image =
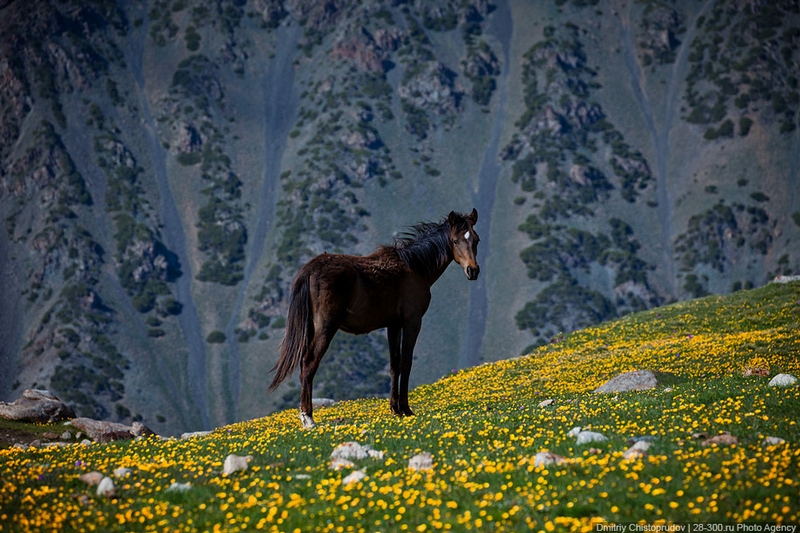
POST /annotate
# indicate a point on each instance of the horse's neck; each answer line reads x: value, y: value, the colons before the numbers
x: 438, y: 273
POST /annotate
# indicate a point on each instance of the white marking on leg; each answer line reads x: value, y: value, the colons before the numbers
x: 307, y: 420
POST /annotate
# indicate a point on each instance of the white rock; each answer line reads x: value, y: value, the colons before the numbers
x: 785, y: 279
x: 548, y: 458
x: 782, y: 380
x: 375, y: 454
x: 422, y: 461
x: 122, y: 472
x: 355, y: 451
x: 574, y: 432
x: 349, y: 450
x: 179, y: 487
x: 585, y: 437
x: 337, y: 463
x: 638, y: 450
x: 91, y: 478
x: 321, y: 403
x: 193, y: 434
x: 772, y: 441
x: 629, y: 381
x: 545, y: 403
x: 235, y: 463
x: 354, y: 477
x: 106, y: 488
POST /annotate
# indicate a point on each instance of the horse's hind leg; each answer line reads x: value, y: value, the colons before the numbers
x: 308, y: 368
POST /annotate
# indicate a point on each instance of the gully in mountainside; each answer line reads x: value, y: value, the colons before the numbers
x: 502, y: 27
x: 175, y: 239
x: 280, y: 104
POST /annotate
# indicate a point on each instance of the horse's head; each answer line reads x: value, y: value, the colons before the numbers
x: 464, y: 242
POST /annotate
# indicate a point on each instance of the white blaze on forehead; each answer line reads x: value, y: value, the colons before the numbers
x: 466, y: 235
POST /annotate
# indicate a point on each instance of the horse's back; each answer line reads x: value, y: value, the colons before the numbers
x: 381, y: 267
x: 359, y: 293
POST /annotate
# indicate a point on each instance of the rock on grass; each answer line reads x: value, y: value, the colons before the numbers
x: 548, y: 458
x: 235, y: 463
x: 422, y: 461
x: 106, y: 488
x: 783, y: 380
x: 36, y: 406
x: 635, y: 380
x: 724, y: 439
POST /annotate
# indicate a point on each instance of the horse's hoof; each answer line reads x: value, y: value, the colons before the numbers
x: 403, y: 412
x: 307, y: 420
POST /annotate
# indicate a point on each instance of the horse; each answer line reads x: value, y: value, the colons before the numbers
x: 390, y: 288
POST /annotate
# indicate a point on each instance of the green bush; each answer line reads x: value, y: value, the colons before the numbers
x: 217, y: 272
x: 726, y: 129
x: 524, y: 170
x: 144, y: 302
x: 192, y: 39
x: 216, y: 337
x: 744, y: 126
x: 188, y: 159
x: 694, y: 286
x: 482, y: 89
x: 171, y: 306
x: 417, y: 122
x: 375, y: 86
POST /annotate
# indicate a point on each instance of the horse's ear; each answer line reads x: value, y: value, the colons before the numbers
x: 473, y: 217
x: 452, y: 219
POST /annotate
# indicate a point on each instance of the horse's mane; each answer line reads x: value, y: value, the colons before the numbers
x: 424, y: 247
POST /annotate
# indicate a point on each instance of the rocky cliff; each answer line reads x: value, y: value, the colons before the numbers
x: 167, y: 165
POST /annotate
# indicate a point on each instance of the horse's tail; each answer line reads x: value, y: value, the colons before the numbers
x: 299, y: 332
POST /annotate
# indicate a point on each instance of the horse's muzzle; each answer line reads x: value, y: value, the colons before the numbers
x: 472, y: 272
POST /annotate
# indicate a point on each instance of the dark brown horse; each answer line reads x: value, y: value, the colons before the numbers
x: 389, y: 288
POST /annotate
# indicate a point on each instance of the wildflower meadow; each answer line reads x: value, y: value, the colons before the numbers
x: 483, y: 426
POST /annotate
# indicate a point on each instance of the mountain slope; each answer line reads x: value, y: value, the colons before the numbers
x: 167, y: 166
x: 714, y: 440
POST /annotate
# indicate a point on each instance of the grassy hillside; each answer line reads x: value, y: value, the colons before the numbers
x: 483, y: 427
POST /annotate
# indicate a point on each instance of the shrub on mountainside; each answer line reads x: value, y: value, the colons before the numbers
x: 216, y: 337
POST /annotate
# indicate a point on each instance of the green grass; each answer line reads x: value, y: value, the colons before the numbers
x: 13, y: 431
x: 483, y: 427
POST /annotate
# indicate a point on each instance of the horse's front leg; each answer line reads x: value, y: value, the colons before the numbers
x: 410, y: 333
x: 393, y: 336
